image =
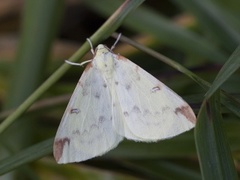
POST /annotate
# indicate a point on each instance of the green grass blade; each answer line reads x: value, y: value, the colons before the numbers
x: 39, y: 28
x: 213, y: 150
x: 27, y: 155
x: 40, y: 23
x: 227, y: 70
x: 231, y: 102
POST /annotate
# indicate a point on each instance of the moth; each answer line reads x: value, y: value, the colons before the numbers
x: 116, y: 99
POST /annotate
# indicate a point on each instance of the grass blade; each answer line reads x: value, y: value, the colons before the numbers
x: 227, y: 70
x: 27, y: 155
x: 213, y: 150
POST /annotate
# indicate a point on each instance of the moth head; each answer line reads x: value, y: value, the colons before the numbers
x: 101, y: 49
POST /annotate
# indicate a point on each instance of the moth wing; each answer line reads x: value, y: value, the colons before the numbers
x: 144, y: 109
x: 86, y: 128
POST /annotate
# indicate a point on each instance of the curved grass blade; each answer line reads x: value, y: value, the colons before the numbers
x: 227, y: 70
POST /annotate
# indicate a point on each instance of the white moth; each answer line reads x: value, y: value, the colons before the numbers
x: 113, y: 99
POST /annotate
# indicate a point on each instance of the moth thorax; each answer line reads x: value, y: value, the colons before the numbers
x: 105, y: 63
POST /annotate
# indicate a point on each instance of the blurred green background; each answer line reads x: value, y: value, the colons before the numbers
x: 36, y: 36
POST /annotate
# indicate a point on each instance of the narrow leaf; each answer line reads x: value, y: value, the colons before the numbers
x: 27, y: 155
x: 213, y: 150
x: 227, y: 70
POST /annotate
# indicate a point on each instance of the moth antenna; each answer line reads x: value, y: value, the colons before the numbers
x: 77, y: 64
x: 90, y: 43
x: 118, y: 38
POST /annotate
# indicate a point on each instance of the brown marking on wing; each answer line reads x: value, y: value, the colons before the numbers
x: 59, y: 146
x: 80, y: 83
x: 156, y: 88
x: 119, y: 57
x: 74, y: 110
x: 89, y: 66
x: 187, y: 112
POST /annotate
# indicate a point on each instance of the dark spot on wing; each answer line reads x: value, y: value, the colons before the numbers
x: 74, y: 111
x: 136, y: 109
x: 146, y: 112
x: 94, y: 126
x: 157, y: 113
x: 84, y: 133
x: 97, y: 95
x: 128, y: 86
x: 125, y: 113
x: 187, y: 112
x: 116, y: 65
x: 76, y: 132
x: 80, y: 83
x: 104, y: 85
x: 165, y: 108
x: 101, y: 119
x: 85, y: 92
x: 116, y: 82
x: 156, y: 88
x: 59, y: 146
